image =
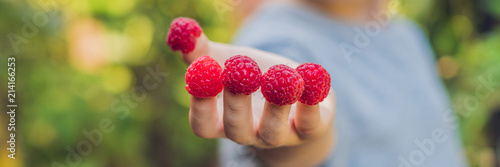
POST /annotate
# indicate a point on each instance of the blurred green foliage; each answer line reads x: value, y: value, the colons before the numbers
x: 91, y: 54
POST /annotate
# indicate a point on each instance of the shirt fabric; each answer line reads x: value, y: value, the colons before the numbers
x: 392, y: 108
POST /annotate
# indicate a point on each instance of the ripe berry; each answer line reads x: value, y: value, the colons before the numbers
x: 241, y: 75
x: 317, y: 83
x: 282, y: 85
x: 182, y: 34
x: 203, y: 77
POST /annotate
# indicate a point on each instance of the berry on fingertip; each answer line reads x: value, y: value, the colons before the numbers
x: 282, y: 85
x: 241, y: 75
x: 182, y: 34
x: 203, y: 78
x: 316, y: 83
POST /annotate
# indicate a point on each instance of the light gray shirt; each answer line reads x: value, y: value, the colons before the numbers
x: 392, y: 108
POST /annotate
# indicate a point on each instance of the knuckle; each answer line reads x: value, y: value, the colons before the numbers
x: 309, y: 133
x: 271, y: 142
x: 237, y: 135
x: 240, y: 140
x: 236, y: 108
x: 231, y: 122
x: 269, y: 139
x: 202, y: 134
x: 306, y: 131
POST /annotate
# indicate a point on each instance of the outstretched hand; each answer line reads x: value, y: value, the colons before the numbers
x: 250, y: 119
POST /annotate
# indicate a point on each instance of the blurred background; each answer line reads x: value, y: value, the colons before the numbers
x: 80, y: 63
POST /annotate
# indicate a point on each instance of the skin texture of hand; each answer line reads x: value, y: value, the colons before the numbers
x: 298, y: 135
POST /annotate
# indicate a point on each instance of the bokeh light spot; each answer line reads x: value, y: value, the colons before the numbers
x: 42, y: 134
x: 448, y: 67
x: 116, y: 79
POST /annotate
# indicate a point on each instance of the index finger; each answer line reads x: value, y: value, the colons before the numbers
x: 204, y: 118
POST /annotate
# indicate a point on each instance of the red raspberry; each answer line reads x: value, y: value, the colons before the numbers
x: 182, y: 34
x: 203, y: 77
x: 317, y: 83
x: 241, y: 75
x: 282, y: 85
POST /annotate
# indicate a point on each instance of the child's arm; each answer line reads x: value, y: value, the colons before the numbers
x: 288, y: 135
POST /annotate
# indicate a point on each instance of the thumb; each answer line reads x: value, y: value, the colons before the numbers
x: 201, y: 49
x: 186, y: 35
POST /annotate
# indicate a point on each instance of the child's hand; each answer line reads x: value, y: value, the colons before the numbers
x: 250, y: 119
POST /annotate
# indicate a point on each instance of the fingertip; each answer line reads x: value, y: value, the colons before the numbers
x: 307, y: 116
x: 238, y: 118
x: 273, y: 127
x: 203, y: 117
x: 276, y: 111
x: 236, y: 102
x: 307, y: 108
x: 307, y: 119
x: 203, y: 103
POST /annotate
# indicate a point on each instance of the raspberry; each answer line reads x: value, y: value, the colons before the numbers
x: 182, y: 34
x: 317, y: 83
x: 203, y: 77
x: 241, y: 75
x: 282, y: 85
